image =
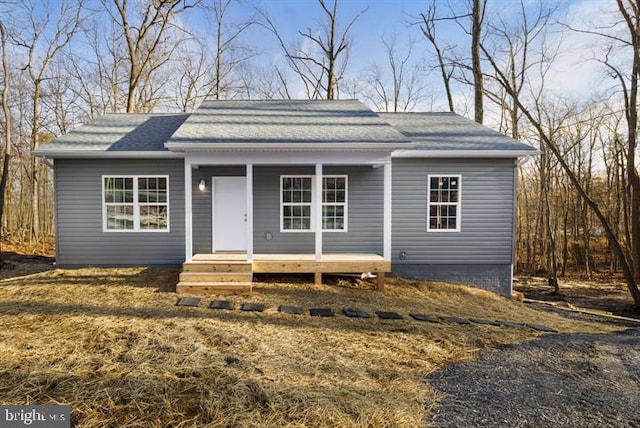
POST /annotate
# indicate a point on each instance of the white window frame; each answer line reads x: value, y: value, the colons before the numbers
x: 312, y: 204
x: 344, y: 204
x: 457, y: 204
x: 282, y: 204
x: 136, y: 205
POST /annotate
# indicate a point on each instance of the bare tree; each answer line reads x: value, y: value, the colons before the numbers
x: 7, y: 125
x: 144, y: 38
x: 617, y: 244
x: 230, y: 55
x: 320, y: 69
x: 446, y: 67
x: 397, y: 86
x: 477, y: 17
x: 40, y: 58
x: 630, y: 12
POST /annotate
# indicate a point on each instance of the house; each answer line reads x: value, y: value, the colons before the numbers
x: 241, y: 187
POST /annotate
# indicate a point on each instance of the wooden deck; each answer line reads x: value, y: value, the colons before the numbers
x: 231, y: 273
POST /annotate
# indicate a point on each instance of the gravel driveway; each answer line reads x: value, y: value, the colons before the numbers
x: 561, y: 380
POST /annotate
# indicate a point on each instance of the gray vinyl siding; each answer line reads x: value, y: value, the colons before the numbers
x: 266, y: 213
x: 365, y: 229
x: 80, y: 240
x: 365, y: 212
x: 201, y: 203
x: 486, y: 235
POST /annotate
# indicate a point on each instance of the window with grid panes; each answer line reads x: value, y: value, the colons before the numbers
x: 443, y: 205
x: 136, y: 203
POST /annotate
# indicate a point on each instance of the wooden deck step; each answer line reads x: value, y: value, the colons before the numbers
x: 215, y: 266
x: 199, y: 276
x: 209, y: 288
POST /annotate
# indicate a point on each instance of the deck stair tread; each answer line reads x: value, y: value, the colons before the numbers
x: 192, y: 276
x: 216, y: 274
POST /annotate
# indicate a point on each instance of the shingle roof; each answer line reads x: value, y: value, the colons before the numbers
x: 285, y: 121
x: 119, y: 132
x: 450, y: 131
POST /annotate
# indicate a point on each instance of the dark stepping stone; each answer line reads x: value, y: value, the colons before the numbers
x: 290, y: 310
x: 485, y: 322
x: 456, y: 320
x: 252, y: 307
x: 513, y: 325
x: 321, y: 312
x: 221, y: 304
x: 427, y: 318
x: 355, y: 313
x: 389, y: 315
x: 540, y: 327
x: 189, y: 301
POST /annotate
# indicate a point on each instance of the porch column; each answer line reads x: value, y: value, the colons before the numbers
x: 317, y: 215
x: 387, y: 211
x: 188, y: 218
x: 249, y: 215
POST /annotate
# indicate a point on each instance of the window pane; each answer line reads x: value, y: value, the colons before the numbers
x: 119, y: 217
x: 153, y: 217
x: 434, y: 183
x: 118, y: 190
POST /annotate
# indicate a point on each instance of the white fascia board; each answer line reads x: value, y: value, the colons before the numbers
x: 94, y: 154
x: 464, y: 153
x: 288, y: 158
x: 294, y: 146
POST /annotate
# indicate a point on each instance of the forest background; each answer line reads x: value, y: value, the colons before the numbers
x: 561, y: 76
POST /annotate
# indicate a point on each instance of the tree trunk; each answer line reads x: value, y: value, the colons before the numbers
x: 7, y: 128
x: 478, y: 92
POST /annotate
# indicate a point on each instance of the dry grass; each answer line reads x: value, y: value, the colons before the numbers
x: 113, y: 345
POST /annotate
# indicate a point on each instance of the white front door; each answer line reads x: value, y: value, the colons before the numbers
x: 229, y: 213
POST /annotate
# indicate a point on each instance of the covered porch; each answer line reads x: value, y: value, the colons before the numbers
x: 241, y: 230
x: 291, y: 186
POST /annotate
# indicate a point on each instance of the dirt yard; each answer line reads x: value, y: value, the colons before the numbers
x: 113, y: 345
x: 561, y: 380
x: 607, y: 294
